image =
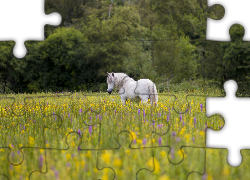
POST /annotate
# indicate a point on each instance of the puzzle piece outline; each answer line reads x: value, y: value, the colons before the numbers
x: 19, y: 47
x: 227, y: 21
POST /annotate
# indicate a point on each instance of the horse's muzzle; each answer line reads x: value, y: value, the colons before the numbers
x: 109, y: 91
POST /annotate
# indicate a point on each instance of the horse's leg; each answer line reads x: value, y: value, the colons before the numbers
x: 123, y: 101
x: 144, y: 98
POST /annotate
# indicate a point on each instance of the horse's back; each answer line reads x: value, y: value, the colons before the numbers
x: 145, y: 82
x: 143, y: 85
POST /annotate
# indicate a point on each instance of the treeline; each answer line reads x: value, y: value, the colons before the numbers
x: 160, y: 40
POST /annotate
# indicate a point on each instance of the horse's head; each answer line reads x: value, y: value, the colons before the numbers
x: 111, y: 82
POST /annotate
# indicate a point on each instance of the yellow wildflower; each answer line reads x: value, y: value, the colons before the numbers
x: 68, y: 156
x: 163, y: 153
x: 117, y: 162
x: 73, y: 144
x: 105, y: 177
x: 31, y: 140
x: 157, y: 166
x: 82, y: 163
x: 180, y: 153
x: 226, y: 171
x: 127, y: 151
x: 209, y: 177
x: 77, y: 165
x: 41, y: 150
x: 17, y: 168
x: 154, y: 163
x: 133, y: 135
x: 164, y: 177
x: 95, y: 170
x: 106, y: 157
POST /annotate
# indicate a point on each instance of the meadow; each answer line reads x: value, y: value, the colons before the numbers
x: 93, y: 136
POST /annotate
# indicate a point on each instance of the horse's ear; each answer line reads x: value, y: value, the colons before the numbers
x: 113, y: 74
x: 107, y: 73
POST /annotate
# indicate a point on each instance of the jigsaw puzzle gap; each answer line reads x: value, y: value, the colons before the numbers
x: 219, y: 30
x: 216, y: 12
x: 38, y: 19
x: 19, y: 50
x: 217, y: 165
x: 225, y: 138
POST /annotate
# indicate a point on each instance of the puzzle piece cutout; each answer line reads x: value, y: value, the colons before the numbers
x: 225, y: 138
x: 189, y: 129
x: 217, y: 166
x: 233, y: 57
x: 236, y: 13
x: 26, y: 15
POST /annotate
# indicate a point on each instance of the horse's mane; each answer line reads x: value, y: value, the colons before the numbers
x: 121, y: 78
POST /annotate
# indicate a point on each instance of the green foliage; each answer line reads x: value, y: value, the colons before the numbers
x: 56, y: 60
x: 175, y: 58
x: 11, y: 69
x: 236, y: 59
x: 188, y: 86
x: 160, y: 40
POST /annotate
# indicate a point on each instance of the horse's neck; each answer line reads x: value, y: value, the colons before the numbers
x: 123, y: 80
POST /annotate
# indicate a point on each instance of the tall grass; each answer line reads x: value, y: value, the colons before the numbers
x: 92, y: 135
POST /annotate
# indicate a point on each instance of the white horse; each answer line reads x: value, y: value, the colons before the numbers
x: 143, y: 89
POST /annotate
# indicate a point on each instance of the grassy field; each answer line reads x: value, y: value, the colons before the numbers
x: 93, y: 136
